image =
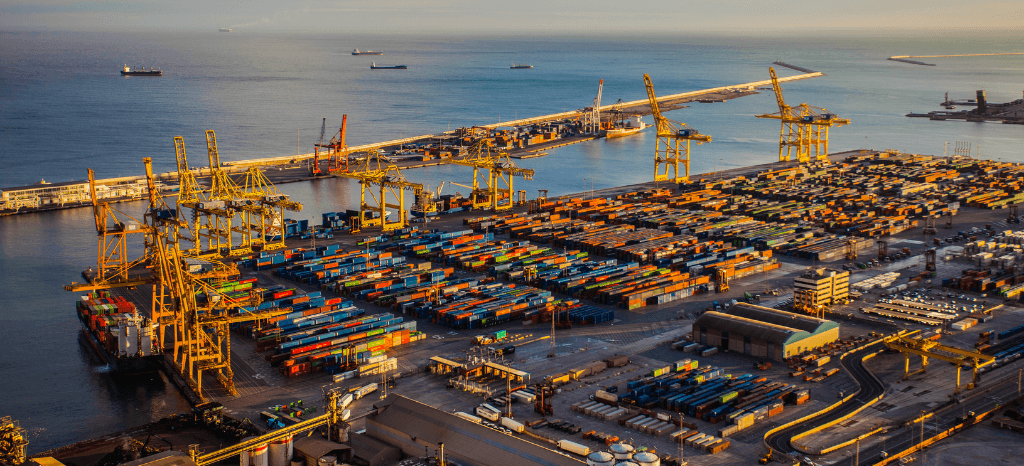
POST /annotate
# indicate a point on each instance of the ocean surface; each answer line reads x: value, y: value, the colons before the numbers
x: 64, y: 107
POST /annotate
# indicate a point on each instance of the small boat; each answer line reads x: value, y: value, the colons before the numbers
x: 224, y: 30
x: 129, y: 71
x: 368, y: 52
x: 521, y: 66
x: 629, y: 127
x: 373, y: 66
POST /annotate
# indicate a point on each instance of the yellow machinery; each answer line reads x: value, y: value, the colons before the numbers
x: 12, y: 442
x: 804, y: 128
x: 497, y: 191
x: 112, y: 263
x: 721, y: 281
x: 671, y: 135
x: 268, y: 205
x: 375, y: 170
x: 925, y: 348
x: 197, y: 333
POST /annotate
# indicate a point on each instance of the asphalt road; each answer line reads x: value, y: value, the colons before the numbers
x: 870, y: 387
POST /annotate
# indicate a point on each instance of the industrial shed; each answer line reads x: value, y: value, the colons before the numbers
x: 763, y: 332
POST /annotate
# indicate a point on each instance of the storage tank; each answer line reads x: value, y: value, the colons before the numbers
x: 646, y: 458
x: 327, y: 461
x: 622, y: 451
x: 600, y: 458
x: 278, y: 454
x: 255, y: 456
x: 626, y: 463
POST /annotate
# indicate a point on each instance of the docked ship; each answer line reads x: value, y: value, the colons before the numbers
x: 628, y: 127
x: 113, y: 328
x: 130, y: 71
x: 368, y: 52
x: 373, y: 66
x: 521, y: 66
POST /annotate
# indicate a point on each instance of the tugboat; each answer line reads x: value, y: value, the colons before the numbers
x: 521, y: 66
x: 373, y: 66
x: 627, y: 127
x: 129, y: 71
x: 368, y: 52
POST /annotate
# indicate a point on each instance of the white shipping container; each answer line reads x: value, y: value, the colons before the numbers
x: 512, y: 425
x: 574, y: 447
x: 469, y: 417
x: 487, y: 414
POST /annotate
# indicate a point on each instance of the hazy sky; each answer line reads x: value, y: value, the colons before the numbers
x: 455, y: 16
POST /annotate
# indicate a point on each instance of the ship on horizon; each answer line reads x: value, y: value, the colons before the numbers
x: 131, y: 71
x: 368, y: 52
x: 521, y: 66
x: 224, y: 30
x: 373, y: 66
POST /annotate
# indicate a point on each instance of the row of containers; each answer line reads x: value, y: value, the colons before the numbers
x: 705, y: 393
x: 387, y: 279
x: 325, y: 334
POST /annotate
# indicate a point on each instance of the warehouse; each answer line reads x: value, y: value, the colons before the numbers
x: 763, y: 332
x: 415, y: 428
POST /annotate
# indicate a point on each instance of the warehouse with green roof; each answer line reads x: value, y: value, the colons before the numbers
x: 763, y: 332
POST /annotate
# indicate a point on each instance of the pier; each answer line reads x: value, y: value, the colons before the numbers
x: 906, y: 58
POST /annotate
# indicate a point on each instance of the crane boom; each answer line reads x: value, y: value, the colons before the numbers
x: 654, y: 101
x: 783, y: 108
x: 97, y: 213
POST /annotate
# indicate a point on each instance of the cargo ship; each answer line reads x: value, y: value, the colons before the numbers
x: 521, y: 66
x: 373, y: 66
x: 628, y: 127
x: 224, y: 30
x: 368, y: 52
x: 113, y: 328
x: 129, y: 71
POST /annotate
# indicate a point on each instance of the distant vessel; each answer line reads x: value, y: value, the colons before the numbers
x: 373, y: 66
x: 629, y: 127
x: 521, y: 66
x: 224, y: 29
x: 368, y: 52
x: 129, y: 71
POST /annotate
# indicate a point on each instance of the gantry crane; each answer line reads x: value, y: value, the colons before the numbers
x: 268, y: 205
x: 112, y: 263
x: 13, y: 442
x: 377, y: 171
x: 926, y: 348
x: 592, y: 115
x: 804, y: 128
x: 496, y: 194
x: 335, y: 151
x: 201, y: 335
x: 670, y: 135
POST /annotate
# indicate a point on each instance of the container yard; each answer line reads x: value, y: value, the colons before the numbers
x: 578, y: 323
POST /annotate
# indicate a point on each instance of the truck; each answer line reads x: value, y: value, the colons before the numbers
x: 486, y: 413
x: 469, y: 417
x: 365, y: 390
x: 512, y: 425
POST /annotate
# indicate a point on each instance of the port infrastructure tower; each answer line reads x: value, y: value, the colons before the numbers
x: 673, y: 139
x: 805, y: 128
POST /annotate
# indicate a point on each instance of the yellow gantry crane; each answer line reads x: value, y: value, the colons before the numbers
x: 112, y: 264
x: 925, y: 348
x: 384, y: 185
x: 804, y: 128
x: 671, y: 135
x: 497, y: 172
x: 267, y: 205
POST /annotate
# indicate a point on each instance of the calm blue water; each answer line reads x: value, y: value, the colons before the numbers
x: 64, y: 107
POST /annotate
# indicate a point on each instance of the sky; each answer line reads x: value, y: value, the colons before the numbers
x: 510, y: 16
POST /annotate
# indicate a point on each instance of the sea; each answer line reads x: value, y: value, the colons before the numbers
x: 64, y: 108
